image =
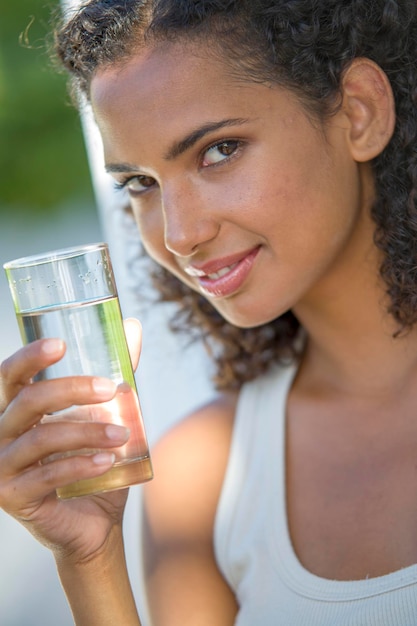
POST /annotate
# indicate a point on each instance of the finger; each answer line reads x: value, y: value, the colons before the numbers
x: 133, y: 330
x: 29, y: 488
x: 55, y: 439
x: 49, y: 396
x: 21, y: 367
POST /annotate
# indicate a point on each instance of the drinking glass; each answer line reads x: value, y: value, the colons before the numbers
x: 71, y: 294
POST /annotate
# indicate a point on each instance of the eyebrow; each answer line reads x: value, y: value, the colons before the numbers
x: 179, y: 147
x: 120, y: 168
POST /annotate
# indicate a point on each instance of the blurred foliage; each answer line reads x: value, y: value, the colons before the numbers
x: 43, y: 163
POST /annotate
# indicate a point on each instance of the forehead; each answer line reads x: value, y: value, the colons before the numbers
x: 161, y: 74
x: 159, y: 95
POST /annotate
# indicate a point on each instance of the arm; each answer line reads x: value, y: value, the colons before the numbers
x: 99, y: 590
x: 184, y: 585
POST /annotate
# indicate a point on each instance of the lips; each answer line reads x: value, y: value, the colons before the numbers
x: 224, y: 277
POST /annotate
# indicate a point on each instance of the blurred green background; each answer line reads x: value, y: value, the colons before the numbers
x: 43, y: 162
x: 46, y: 202
x: 46, y: 195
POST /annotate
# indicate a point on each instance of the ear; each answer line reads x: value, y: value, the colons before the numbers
x: 368, y: 103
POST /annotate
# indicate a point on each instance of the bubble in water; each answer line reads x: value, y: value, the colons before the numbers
x: 86, y: 278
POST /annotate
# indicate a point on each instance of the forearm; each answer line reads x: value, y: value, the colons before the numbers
x: 99, y: 592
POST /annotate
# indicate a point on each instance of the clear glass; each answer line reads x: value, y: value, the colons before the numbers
x: 72, y: 294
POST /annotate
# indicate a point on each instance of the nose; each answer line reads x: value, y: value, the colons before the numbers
x: 189, y: 220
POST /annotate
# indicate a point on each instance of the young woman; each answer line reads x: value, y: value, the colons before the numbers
x: 269, y: 151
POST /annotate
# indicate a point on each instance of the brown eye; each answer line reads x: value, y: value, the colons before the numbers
x: 220, y: 152
x: 137, y: 184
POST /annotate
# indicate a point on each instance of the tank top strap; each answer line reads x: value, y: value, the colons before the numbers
x: 259, y: 422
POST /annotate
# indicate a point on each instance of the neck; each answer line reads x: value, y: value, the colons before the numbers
x: 370, y: 364
x: 352, y: 345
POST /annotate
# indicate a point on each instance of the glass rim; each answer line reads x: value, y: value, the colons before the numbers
x: 54, y: 255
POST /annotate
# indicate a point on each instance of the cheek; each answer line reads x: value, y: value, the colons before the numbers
x: 151, y: 230
x: 281, y: 185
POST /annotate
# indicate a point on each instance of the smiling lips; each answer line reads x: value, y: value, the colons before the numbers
x: 225, y: 276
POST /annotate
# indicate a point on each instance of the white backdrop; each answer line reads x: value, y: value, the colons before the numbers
x: 29, y: 592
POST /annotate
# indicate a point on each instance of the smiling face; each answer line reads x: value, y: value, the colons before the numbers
x: 233, y: 187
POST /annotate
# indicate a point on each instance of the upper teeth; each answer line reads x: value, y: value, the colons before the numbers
x: 221, y: 272
x: 193, y: 271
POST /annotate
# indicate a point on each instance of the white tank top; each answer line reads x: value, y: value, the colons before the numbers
x: 252, y: 542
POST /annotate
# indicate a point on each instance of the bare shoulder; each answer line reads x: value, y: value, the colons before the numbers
x: 189, y: 465
x: 181, y: 573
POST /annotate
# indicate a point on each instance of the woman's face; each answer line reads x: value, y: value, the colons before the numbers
x: 233, y: 187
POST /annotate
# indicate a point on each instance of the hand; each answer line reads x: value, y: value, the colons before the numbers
x: 133, y: 332
x: 76, y: 529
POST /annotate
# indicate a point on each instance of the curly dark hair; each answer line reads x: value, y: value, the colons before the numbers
x: 303, y: 45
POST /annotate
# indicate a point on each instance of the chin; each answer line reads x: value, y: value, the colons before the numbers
x: 249, y: 310
x: 249, y: 321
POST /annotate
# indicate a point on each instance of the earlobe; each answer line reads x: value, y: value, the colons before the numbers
x: 368, y: 104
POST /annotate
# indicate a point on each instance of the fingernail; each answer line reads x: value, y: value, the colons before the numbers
x: 104, y: 458
x: 117, y: 433
x: 104, y: 387
x: 51, y: 346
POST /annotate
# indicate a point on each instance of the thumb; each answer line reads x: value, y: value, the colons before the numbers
x: 133, y: 331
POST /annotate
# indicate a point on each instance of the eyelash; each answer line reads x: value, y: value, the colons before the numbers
x: 121, y: 186
x: 217, y: 144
